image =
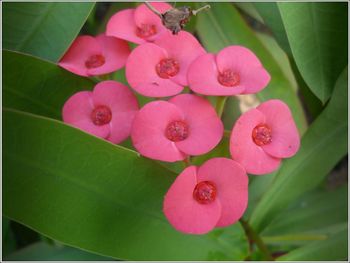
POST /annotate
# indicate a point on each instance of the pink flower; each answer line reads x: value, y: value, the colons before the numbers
x: 234, y: 70
x: 159, y: 69
x: 138, y: 25
x: 171, y: 130
x: 106, y: 112
x: 92, y: 56
x: 262, y: 136
x: 212, y: 195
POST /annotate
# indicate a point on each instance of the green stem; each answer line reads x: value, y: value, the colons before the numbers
x: 227, y: 133
x: 254, y: 237
x: 220, y: 105
x: 187, y: 161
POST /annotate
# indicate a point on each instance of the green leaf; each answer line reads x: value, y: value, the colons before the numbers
x: 38, y: 86
x: 45, y: 30
x: 42, y: 251
x: 91, y: 194
x: 272, y: 17
x: 8, y: 238
x: 333, y: 248
x: 222, y: 26
x: 323, y: 145
x: 317, y: 34
x: 313, y: 216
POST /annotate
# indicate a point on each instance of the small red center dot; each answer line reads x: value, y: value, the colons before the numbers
x: 177, y: 131
x: 167, y: 68
x: 95, y: 61
x: 146, y: 31
x: 229, y: 78
x: 101, y: 115
x: 262, y: 135
x: 204, y: 192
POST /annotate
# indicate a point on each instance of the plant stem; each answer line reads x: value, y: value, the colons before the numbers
x: 254, y: 237
x: 195, y: 12
x: 220, y: 105
x: 187, y: 161
x: 153, y: 9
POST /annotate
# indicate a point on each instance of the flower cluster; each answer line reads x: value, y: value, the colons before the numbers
x: 214, y: 194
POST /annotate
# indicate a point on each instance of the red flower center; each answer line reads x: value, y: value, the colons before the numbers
x: 95, y: 61
x: 229, y: 78
x: 167, y: 68
x: 146, y: 31
x: 101, y: 115
x: 177, y: 131
x: 204, y: 192
x: 262, y: 135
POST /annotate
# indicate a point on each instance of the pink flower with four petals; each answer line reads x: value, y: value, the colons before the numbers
x: 171, y: 130
x: 106, y: 112
x: 202, y: 198
x: 263, y: 136
x: 92, y: 56
x: 234, y: 70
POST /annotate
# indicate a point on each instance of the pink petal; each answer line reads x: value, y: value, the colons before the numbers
x: 115, y: 51
x: 81, y: 49
x: 205, y: 127
x: 123, y: 105
x: 231, y: 183
x: 144, y: 16
x: 255, y: 80
x: 148, y: 131
x: 122, y: 25
x: 141, y: 72
x: 243, y: 149
x: 285, y: 137
x: 184, y: 213
x: 253, y: 77
x: 202, y: 78
x: 77, y: 111
x: 183, y: 47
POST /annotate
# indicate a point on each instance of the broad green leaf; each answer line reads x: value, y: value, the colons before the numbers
x: 8, y: 238
x: 272, y: 18
x: 317, y: 34
x: 38, y: 86
x: 250, y: 10
x: 91, y: 194
x: 42, y: 251
x: 44, y: 30
x: 314, y: 216
x: 322, y: 146
x: 222, y: 26
x: 333, y: 248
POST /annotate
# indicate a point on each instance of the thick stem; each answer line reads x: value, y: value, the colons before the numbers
x: 254, y: 237
x: 153, y: 9
x: 220, y: 105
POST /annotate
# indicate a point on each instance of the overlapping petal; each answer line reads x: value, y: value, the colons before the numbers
x: 183, y: 47
x: 285, y: 137
x: 141, y: 72
x: 77, y: 111
x: 115, y: 52
x: 243, y: 149
x: 205, y: 127
x: 183, y: 212
x: 231, y: 183
x: 148, y: 131
x: 81, y: 49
